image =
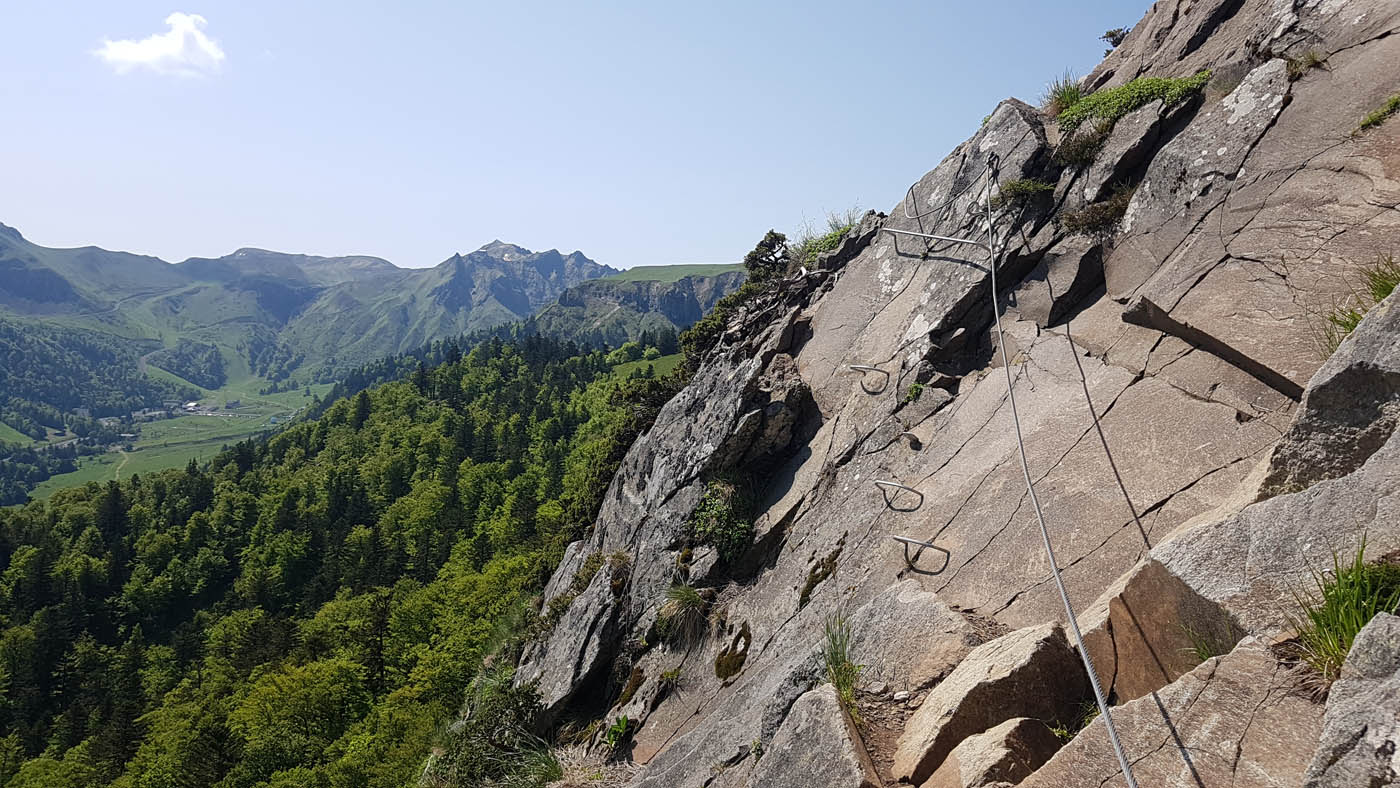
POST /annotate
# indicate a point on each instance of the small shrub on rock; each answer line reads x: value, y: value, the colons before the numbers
x: 1020, y: 192
x: 1100, y: 219
x: 722, y: 519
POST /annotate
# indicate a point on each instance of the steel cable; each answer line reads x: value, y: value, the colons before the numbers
x: 1035, y: 503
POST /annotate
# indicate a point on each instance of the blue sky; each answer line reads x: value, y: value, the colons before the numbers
x: 639, y: 133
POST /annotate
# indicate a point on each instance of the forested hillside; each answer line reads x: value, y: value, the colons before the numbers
x: 48, y: 371
x: 310, y: 609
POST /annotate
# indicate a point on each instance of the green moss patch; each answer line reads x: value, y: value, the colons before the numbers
x: 1112, y: 104
x: 731, y: 660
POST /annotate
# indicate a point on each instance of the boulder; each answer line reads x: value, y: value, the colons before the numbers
x: 1005, y: 754
x: 1349, y: 410
x: 1234, y: 720
x: 1361, y: 728
x: 1031, y: 672
x: 908, y: 638
x: 1148, y: 629
x: 1069, y: 271
x: 817, y: 747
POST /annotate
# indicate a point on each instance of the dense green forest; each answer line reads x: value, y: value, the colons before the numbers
x: 310, y: 609
x: 46, y: 371
x: 198, y: 362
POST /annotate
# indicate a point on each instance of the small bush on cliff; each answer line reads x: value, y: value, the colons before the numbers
x: 812, y: 241
x: 1381, y: 115
x: 1082, y: 147
x: 1112, y: 104
x: 841, y: 671
x: 1020, y: 192
x: 1062, y: 93
x: 723, y: 519
x: 1115, y: 36
x: 765, y: 263
x: 494, y: 742
x: 1099, y: 219
x: 1342, y: 603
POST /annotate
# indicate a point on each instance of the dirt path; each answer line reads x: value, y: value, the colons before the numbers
x: 117, y: 472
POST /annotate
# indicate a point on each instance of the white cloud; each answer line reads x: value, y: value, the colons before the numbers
x: 184, y: 49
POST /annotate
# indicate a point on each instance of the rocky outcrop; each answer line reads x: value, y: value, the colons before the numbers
x: 1148, y: 630
x: 1028, y: 673
x: 815, y: 748
x: 1350, y: 409
x: 1255, y: 561
x: 1234, y: 720
x: 1188, y: 327
x: 1005, y: 754
x: 1361, y: 729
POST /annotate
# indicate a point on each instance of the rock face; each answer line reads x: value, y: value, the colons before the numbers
x: 1005, y: 754
x: 815, y: 749
x: 1254, y: 561
x: 1190, y: 325
x: 1361, y: 729
x: 1028, y: 673
x: 1146, y: 630
x: 1234, y: 720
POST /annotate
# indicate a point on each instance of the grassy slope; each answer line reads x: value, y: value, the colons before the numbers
x: 9, y: 434
x: 672, y: 273
x: 662, y: 366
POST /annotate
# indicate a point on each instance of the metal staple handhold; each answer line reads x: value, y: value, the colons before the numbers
x: 912, y: 560
x: 864, y: 368
x: 885, y: 486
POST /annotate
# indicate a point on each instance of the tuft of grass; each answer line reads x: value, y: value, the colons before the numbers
x: 1378, y: 281
x: 1062, y: 93
x: 1110, y: 105
x: 1371, y: 121
x: 812, y: 241
x: 1331, y: 615
x: 840, y: 670
x: 1100, y: 219
x: 669, y: 680
x: 1066, y: 731
x: 915, y: 391
x: 1021, y: 191
x: 1302, y: 64
x: 682, y: 616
